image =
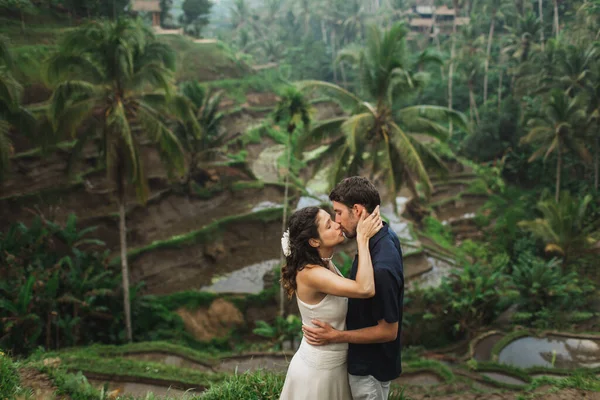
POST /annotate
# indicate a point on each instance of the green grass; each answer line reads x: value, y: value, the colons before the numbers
x: 9, y: 378
x: 248, y: 386
x: 244, y: 185
x: 582, y: 381
x: 88, y: 362
x: 204, y: 61
x: 438, y: 232
x: 503, y: 369
x: 443, y: 371
x: 206, y: 358
x: 45, y: 28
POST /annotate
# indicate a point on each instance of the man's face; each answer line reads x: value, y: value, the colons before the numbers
x: 347, y: 218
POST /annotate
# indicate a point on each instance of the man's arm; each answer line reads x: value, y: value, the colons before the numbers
x: 383, y: 332
x: 385, y: 308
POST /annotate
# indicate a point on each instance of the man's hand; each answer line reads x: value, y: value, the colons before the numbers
x: 324, y: 334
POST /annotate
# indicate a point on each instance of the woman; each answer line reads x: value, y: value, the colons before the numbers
x: 320, y: 372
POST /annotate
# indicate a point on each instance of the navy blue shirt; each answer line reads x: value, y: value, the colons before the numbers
x: 381, y: 360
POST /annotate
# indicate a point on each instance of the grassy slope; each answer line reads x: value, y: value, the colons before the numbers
x: 203, y: 62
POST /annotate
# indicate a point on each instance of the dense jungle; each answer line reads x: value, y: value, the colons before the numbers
x: 151, y: 152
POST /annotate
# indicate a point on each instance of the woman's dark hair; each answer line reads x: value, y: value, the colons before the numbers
x: 303, y: 226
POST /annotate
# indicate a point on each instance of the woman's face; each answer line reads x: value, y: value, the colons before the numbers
x: 330, y: 232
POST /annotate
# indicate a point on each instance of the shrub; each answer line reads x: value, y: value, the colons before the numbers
x: 546, y: 293
x: 284, y: 329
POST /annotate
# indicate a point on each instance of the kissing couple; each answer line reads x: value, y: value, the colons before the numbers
x: 351, y: 344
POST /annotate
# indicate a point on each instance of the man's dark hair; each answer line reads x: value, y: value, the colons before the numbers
x: 356, y: 190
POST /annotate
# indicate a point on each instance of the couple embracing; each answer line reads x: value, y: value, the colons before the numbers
x: 351, y: 344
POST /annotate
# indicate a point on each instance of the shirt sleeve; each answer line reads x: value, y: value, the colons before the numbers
x: 386, y: 303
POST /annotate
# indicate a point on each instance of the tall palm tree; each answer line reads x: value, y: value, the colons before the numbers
x: 294, y: 109
x: 469, y: 59
x: 558, y: 131
x: 113, y: 81
x: 541, y: 12
x: 556, y: 25
x: 564, y: 226
x: 593, y: 101
x: 12, y: 114
x: 375, y: 126
x: 494, y: 6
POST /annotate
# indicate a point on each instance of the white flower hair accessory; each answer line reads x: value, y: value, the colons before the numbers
x: 285, y: 243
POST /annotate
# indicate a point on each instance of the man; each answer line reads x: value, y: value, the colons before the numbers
x: 373, y: 325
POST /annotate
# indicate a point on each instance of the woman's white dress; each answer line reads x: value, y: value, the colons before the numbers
x: 320, y: 372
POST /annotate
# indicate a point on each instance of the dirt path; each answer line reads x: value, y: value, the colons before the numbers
x: 41, y: 386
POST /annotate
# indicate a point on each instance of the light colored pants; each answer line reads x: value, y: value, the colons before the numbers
x: 368, y: 388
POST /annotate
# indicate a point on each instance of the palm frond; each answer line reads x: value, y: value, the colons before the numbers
x: 341, y: 96
x: 424, y: 116
x: 322, y: 130
x: 354, y: 129
x: 409, y: 156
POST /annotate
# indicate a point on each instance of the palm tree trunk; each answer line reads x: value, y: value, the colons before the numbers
x: 500, y: 89
x: 452, y: 55
x: 343, y: 71
x: 324, y: 32
x: 556, y: 28
x: 558, y: 169
x: 284, y: 220
x: 596, y: 145
x: 333, y: 55
x: 473, y: 102
x: 22, y: 21
x: 541, y: 12
x: 488, y: 55
x: 124, y: 266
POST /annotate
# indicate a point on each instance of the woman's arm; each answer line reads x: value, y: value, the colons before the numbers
x: 325, y: 281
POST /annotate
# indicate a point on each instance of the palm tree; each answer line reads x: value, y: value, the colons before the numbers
x: 575, y: 63
x: 374, y: 126
x: 557, y: 131
x: 495, y: 6
x: 563, y: 226
x: 205, y: 149
x: 114, y: 82
x: 240, y: 14
x: 469, y: 59
x: 521, y: 37
x: 556, y: 26
x: 541, y: 12
x: 295, y: 110
x: 456, y: 4
x: 593, y: 101
x: 12, y: 114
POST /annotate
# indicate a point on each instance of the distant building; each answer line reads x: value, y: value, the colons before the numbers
x: 149, y: 6
x: 433, y: 20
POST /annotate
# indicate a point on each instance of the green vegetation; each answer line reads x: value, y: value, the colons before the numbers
x: 525, y: 76
x: 284, y: 329
x: 251, y: 386
x: 376, y: 128
x: 9, y: 378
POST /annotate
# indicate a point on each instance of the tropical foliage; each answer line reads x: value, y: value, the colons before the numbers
x: 565, y: 228
x: 57, y: 289
x: 116, y: 86
x: 375, y: 134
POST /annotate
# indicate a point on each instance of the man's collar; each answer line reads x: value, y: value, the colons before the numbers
x: 379, y: 235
